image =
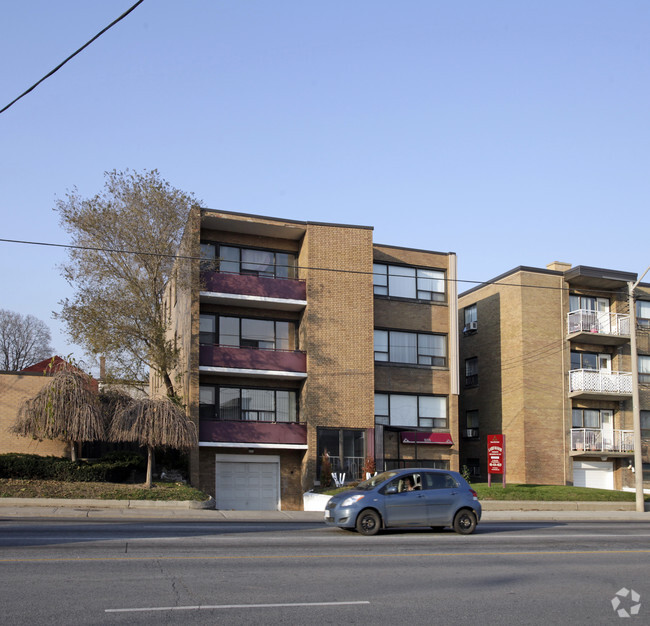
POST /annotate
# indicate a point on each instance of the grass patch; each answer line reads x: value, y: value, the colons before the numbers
x: 18, y: 488
x: 558, y: 493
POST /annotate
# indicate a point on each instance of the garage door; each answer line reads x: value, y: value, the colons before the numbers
x: 593, y: 474
x: 247, y: 485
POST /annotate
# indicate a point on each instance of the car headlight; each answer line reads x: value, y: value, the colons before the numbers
x: 352, y: 499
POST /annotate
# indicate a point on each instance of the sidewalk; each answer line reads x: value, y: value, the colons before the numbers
x: 194, y: 511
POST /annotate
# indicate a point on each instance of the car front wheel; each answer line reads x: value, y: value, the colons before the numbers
x: 465, y: 522
x: 368, y: 522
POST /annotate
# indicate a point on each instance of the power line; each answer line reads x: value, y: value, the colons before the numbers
x: 74, y: 54
x: 300, y: 267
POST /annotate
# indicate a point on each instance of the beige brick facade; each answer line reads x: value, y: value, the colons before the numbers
x: 523, y: 347
x: 334, y: 325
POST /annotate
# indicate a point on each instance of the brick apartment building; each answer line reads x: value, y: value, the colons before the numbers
x: 298, y: 338
x: 546, y: 360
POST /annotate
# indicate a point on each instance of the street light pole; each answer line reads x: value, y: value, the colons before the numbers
x: 636, y: 414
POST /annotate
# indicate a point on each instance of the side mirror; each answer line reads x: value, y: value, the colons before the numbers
x: 391, y: 489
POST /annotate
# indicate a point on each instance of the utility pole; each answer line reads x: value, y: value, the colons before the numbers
x: 636, y: 414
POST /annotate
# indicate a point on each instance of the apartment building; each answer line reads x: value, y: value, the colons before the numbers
x: 546, y: 359
x: 300, y: 339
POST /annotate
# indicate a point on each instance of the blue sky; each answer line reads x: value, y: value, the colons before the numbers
x: 512, y: 133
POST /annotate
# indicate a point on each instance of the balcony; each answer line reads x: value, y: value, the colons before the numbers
x: 214, y: 433
x: 597, y: 384
x: 281, y: 294
x: 598, y: 441
x: 253, y: 362
x: 598, y: 328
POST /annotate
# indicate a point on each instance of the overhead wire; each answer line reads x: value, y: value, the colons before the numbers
x: 297, y: 267
x: 74, y: 54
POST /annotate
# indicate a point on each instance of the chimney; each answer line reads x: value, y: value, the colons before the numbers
x: 558, y: 266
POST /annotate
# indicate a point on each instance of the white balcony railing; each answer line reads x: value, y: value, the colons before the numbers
x: 602, y: 440
x: 584, y: 321
x: 600, y: 381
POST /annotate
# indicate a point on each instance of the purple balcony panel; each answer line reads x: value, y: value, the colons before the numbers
x: 262, y: 286
x: 251, y: 358
x: 252, y: 432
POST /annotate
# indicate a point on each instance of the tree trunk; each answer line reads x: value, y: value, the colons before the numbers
x: 73, y: 451
x: 168, y: 384
x: 148, y: 482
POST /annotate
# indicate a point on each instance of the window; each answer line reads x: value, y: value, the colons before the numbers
x: 471, y: 424
x: 234, y: 260
x: 411, y: 348
x: 411, y: 411
x: 590, y: 361
x: 591, y: 418
x: 644, y: 369
x: 588, y: 303
x: 645, y: 423
x: 474, y: 467
x: 408, y: 282
x: 471, y: 372
x: 256, y: 405
x: 247, y: 332
x: 643, y: 313
x: 471, y: 318
x: 346, y: 449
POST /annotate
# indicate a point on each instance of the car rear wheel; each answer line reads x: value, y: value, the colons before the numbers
x: 368, y: 522
x: 465, y: 522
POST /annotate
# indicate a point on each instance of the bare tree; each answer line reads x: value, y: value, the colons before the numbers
x: 24, y: 340
x: 154, y: 422
x: 125, y: 240
x: 66, y: 408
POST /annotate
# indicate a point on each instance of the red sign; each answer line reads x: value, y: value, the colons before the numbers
x: 440, y: 439
x: 496, y: 449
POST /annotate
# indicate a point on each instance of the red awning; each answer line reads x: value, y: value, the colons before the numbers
x: 438, y: 439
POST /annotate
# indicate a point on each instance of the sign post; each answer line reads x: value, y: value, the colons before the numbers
x: 496, y: 450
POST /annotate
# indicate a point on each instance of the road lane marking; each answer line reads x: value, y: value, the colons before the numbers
x: 203, y: 607
x: 321, y: 556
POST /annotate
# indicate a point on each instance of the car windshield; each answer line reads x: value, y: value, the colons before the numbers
x: 375, y: 480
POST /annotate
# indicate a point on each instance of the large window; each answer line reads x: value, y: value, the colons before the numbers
x: 645, y: 423
x: 234, y: 260
x: 588, y: 303
x: 471, y: 372
x: 408, y: 282
x: 411, y: 411
x: 471, y: 423
x: 590, y: 361
x: 238, y: 404
x: 470, y: 314
x: 591, y: 418
x: 346, y: 449
x: 644, y: 369
x: 411, y: 348
x: 643, y: 313
x: 247, y: 332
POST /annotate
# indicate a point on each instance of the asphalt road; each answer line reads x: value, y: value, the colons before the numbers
x: 67, y: 572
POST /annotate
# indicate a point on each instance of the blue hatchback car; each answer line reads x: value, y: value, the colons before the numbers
x: 407, y: 497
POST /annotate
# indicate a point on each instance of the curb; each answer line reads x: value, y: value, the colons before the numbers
x: 76, y: 503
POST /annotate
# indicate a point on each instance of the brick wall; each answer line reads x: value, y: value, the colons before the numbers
x: 14, y: 390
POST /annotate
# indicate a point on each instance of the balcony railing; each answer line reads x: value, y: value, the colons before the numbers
x: 255, y: 286
x: 252, y: 358
x: 584, y: 321
x: 600, y: 440
x: 351, y: 466
x: 600, y: 381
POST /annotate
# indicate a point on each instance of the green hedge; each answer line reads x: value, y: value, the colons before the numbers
x: 115, y: 467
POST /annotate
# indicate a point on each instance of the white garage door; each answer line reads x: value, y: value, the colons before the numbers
x: 246, y: 485
x: 593, y: 474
